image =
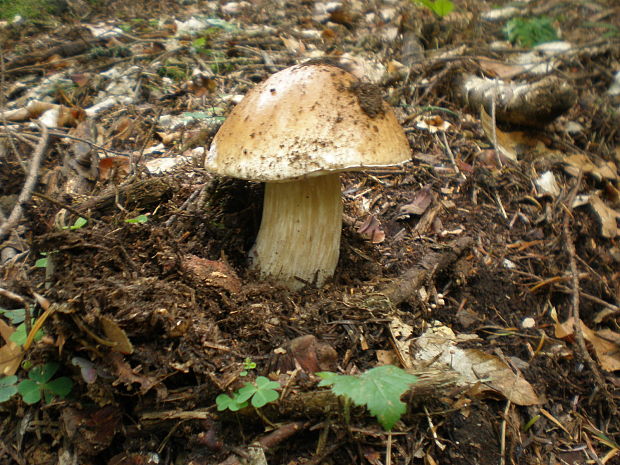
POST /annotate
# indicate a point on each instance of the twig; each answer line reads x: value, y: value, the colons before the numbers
x: 29, y: 184
x: 66, y: 207
x: 581, y: 343
x: 271, y: 440
x: 502, y: 456
x: 451, y: 155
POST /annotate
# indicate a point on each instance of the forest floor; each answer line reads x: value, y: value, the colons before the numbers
x: 466, y: 266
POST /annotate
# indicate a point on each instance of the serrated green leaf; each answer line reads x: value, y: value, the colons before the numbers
x: 379, y: 389
x: 29, y: 390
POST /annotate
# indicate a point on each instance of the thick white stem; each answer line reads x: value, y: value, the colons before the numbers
x: 300, y: 231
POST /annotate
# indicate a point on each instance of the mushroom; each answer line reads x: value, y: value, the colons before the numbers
x: 296, y: 132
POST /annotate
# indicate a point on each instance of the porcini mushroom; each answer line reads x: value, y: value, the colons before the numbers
x: 296, y: 132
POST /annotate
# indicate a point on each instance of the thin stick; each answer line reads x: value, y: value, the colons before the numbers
x: 31, y: 181
x: 581, y: 343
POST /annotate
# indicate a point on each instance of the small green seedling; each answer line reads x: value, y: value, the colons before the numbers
x: 140, y: 219
x: 248, y: 364
x: 529, y: 32
x: 261, y: 392
x: 41, y: 262
x: 8, y: 387
x: 40, y: 384
x: 17, y: 317
x: 20, y: 335
x: 79, y: 223
x: 379, y: 389
x: 440, y: 7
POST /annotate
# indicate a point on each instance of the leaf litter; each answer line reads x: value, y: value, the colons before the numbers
x: 174, y: 293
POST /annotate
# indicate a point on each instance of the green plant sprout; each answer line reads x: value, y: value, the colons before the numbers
x: 140, y: 219
x: 40, y: 384
x: 41, y: 262
x: 440, y: 7
x: 7, y: 387
x: 261, y: 392
x: 79, y: 223
x: 17, y: 317
x: 529, y: 32
x: 20, y: 335
x: 248, y: 364
x: 378, y: 389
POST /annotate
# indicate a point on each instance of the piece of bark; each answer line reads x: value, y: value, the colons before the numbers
x: 407, y: 284
x: 143, y: 193
x: 527, y: 104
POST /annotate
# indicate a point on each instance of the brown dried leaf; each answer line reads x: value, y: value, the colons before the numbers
x: 606, y: 343
x: 371, y: 229
x: 421, y: 202
x: 439, y: 345
x: 11, y: 354
x: 607, y: 217
x: 116, y: 334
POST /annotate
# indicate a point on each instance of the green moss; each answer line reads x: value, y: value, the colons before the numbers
x: 29, y: 9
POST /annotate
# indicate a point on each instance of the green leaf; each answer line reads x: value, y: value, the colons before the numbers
x: 7, y: 387
x: 43, y: 373
x: 20, y: 335
x: 379, y: 389
x: 41, y: 263
x: 140, y: 219
x: 224, y: 401
x: 60, y: 387
x: 79, y: 223
x: 16, y: 316
x: 528, y: 32
x: 263, y: 397
x: 247, y: 391
x: 265, y: 392
x: 443, y: 7
x: 29, y: 390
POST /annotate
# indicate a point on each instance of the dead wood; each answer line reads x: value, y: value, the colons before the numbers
x: 29, y: 185
x: 142, y: 193
x: 407, y: 284
x: 271, y: 440
x: 527, y: 104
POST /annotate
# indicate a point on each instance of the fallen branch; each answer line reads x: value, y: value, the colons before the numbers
x: 271, y: 440
x: 406, y: 285
x: 528, y: 104
x: 29, y: 185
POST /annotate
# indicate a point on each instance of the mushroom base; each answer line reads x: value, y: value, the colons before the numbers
x: 299, y: 238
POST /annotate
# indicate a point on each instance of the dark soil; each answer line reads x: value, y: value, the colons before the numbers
x: 179, y: 288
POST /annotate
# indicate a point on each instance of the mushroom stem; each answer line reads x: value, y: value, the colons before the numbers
x: 299, y: 237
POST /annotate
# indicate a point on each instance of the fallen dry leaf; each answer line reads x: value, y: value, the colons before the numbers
x: 11, y: 354
x: 422, y: 200
x: 607, y: 217
x: 116, y: 334
x: 606, y: 343
x: 475, y: 367
x: 581, y: 162
x: 371, y: 229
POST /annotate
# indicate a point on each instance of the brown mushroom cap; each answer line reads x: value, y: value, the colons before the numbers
x: 307, y: 120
